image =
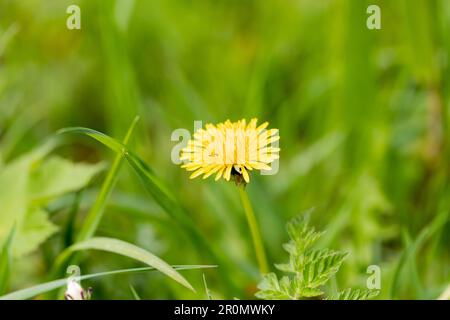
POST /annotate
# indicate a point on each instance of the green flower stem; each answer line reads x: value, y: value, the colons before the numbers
x: 256, y: 235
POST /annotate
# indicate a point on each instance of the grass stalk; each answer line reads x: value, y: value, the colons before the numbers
x: 96, y: 213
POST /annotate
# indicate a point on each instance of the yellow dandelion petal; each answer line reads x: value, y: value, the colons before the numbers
x: 252, y: 124
x: 260, y: 166
x: 197, y: 173
x: 191, y: 166
x: 262, y: 127
x: 212, y: 171
x: 245, y: 175
x: 227, y: 174
x: 219, y: 174
x: 231, y: 150
x: 248, y: 167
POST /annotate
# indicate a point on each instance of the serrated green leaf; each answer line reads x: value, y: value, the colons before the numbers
x: 310, y: 292
x: 285, y: 267
x: 301, y: 234
x: 272, y: 289
x: 320, y: 265
x: 354, y: 294
x: 308, y: 269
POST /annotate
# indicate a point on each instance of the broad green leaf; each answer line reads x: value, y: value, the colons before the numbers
x: 32, y: 176
x: 57, y: 176
x: 13, y: 186
x: 131, y: 251
x: 33, y: 291
x: 34, y: 230
x: 14, y: 181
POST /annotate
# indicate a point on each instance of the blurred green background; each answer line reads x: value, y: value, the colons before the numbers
x: 363, y: 118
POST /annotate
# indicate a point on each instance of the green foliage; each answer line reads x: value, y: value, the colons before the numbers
x: 27, y: 185
x: 96, y: 212
x: 57, y: 176
x: 411, y: 251
x: 129, y: 250
x: 158, y: 190
x: 363, y: 117
x: 39, y: 289
x: 134, y: 293
x: 354, y: 294
x: 308, y: 269
x: 5, y: 261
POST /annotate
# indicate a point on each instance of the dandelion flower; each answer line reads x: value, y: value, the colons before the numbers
x: 230, y: 150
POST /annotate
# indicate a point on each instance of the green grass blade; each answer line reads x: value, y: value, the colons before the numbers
x: 111, y: 143
x: 95, y: 214
x: 33, y: 291
x: 208, y: 293
x: 134, y: 293
x: 159, y: 191
x: 5, y: 260
x: 411, y: 251
x: 155, y: 186
x: 130, y: 250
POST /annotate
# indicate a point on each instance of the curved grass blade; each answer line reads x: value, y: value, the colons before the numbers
x: 95, y: 214
x: 111, y: 143
x: 158, y: 189
x: 411, y: 251
x: 130, y: 250
x: 33, y: 291
x: 5, y: 260
x: 161, y: 195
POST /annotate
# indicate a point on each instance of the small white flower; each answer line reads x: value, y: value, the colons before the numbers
x: 75, y: 291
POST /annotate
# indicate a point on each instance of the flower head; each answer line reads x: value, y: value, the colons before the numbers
x: 230, y: 150
x: 76, y: 292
